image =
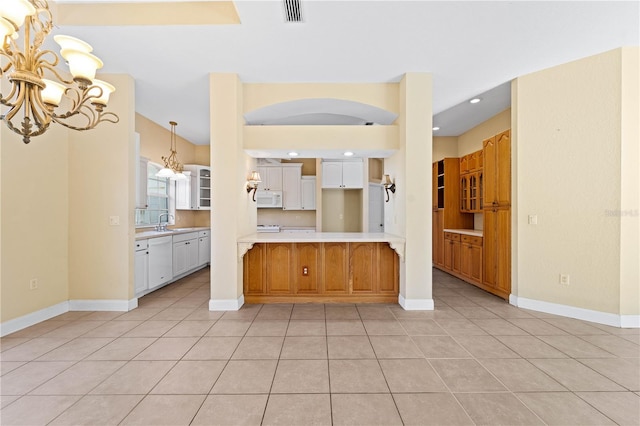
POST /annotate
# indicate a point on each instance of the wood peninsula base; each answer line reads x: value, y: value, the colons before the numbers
x: 321, y: 271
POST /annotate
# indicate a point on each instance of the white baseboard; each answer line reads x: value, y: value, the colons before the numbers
x: 226, y: 304
x: 415, y: 304
x: 606, y: 318
x: 33, y: 318
x: 103, y: 305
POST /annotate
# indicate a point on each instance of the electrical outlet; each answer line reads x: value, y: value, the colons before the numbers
x: 305, y: 271
x: 33, y: 284
x: 564, y: 279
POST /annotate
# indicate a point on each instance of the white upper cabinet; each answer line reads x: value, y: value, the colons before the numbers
x: 183, y: 192
x: 198, y: 186
x: 271, y: 178
x: 342, y: 174
x: 291, y: 188
x: 308, y: 190
x: 141, y: 176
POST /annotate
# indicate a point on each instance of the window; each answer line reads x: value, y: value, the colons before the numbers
x: 158, y: 199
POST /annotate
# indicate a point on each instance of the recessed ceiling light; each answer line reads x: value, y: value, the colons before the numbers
x: 348, y: 154
x: 293, y: 154
x: 475, y: 100
x: 436, y: 128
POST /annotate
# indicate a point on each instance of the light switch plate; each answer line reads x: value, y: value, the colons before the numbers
x: 114, y: 220
x: 533, y: 219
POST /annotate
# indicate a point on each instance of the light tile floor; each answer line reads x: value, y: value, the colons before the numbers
x: 474, y: 360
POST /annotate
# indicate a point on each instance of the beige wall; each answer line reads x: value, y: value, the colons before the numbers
x: 342, y: 210
x: 34, y: 226
x: 630, y: 187
x: 568, y: 164
x: 445, y: 147
x: 57, y: 197
x: 305, y: 218
x: 101, y: 185
x: 471, y: 140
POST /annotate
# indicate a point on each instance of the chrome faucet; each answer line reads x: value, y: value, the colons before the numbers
x: 163, y: 226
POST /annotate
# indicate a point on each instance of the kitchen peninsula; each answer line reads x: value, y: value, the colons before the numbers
x: 321, y: 267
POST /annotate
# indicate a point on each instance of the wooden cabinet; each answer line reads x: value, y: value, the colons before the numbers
x: 497, y: 168
x: 343, y: 174
x: 291, y: 187
x: 335, y: 269
x: 471, y: 258
x: 279, y: 262
x: 308, y: 189
x: 271, y: 177
x: 472, y: 182
x: 307, y: 265
x: 452, y: 252
x: 446, y: 200
x: 331, y: 271
x: 497, y: 251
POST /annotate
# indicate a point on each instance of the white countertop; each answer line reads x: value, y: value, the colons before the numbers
x: 144, y: 235
x: 320, y: 237
x: 472, y: 232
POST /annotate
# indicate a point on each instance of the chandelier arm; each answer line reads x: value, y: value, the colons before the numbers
x: 5, y: 100
x: 39, y: 111
x: 50, y: 67
x: 17, y: 104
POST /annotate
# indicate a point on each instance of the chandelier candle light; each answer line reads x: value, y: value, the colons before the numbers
x: 172, y: 168
x: 33, y: 99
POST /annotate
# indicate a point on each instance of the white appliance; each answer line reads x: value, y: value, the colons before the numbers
x: 268, y: 228
x: 269, y: 199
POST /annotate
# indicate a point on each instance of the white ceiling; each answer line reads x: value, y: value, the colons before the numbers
x: 469, y: 47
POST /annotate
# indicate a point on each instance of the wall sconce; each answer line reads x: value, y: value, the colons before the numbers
x: 388, y: 185
x: 252, y: 183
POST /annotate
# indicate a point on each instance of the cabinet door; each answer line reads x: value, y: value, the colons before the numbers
x: 464, y: 193
x: 503, y: 251
x: 192, y: 254
x: 490, y: 247
x: 352, y: 174
x: 141, y: 183
x: 464, y: 164
x: 465, y: 260
x: 362, y: 267
x: 503, y: 168
x: 204, y: 250
x: 279, y: 261
x: 490, y: 172
x: 331, y: 174
x: 141, y: 274
x: 291, y: 188
x: 180, y: 258
x: 307, y: 272
x: 438, y: 237
x: 262, y: 171
x: 274, y: 178
x: 334, y: 267
x: 448, y: 255
x: 183, y: 193
x: 388, y: 278
x: 308, y: 188
x: 456, y: 260
x: 434, y: 185
x: 204, y: 188
x: 255, y: 270
x: 475, y: 263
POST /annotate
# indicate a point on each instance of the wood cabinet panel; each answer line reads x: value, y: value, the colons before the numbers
x: 438, y: 238
x: 307, y: 269
x: 254, y: 270
x: 388, y: 270
x: 503, y: 168
x: 279, y: 261
x: 334, y: 268
x: 362, y: 267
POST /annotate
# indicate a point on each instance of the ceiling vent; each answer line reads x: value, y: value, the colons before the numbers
x: 292, y: 10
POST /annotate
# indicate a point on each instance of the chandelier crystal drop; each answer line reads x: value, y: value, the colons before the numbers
x: 172, y: 168
x: 37, y: 88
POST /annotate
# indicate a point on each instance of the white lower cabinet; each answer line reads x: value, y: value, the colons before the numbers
x: 141, y: 267
x: 185, y: 253
x: 204, y: 248
x: 160, y: 261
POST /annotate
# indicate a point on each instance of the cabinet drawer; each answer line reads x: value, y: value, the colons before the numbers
x: 141, y: 244
x: 451, y: 236
x: 203, y: 233
x: 476, y: 241
x: 185, y: 237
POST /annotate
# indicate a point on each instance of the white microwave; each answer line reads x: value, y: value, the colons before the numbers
x: 269, y: 199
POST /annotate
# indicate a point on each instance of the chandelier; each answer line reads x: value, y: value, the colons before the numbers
x: 33, y: 100
x: 172, y: 168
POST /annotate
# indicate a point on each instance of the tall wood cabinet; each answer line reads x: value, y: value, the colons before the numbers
x: 497, y: 214
x: 446, y: 205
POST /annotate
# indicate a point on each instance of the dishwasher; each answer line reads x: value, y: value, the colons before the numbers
x: 160, y: 261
